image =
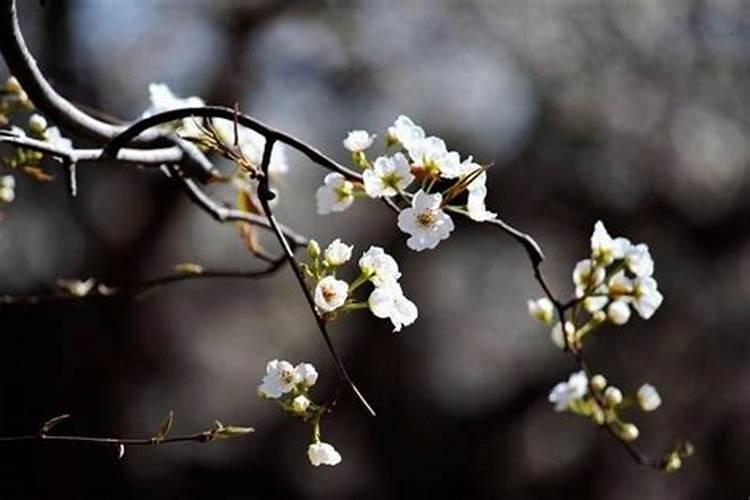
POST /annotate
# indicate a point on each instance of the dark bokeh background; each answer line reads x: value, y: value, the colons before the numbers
x: 632, y: 111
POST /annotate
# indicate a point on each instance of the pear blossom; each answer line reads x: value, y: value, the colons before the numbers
x: 629, y: 432
x: 405, y: 131
x: 381, y: 268
x: 566, y: 393
x: 619, y: 285
x: 646, y: 297
x: 323, y: 453
x: 358, y: 140
x: 280, y: 378
x: 306, y: 373
x: 390, y: 302
x: 648, y: 398
x: 542, y: 310
x: 331, y: 293
x: 639, y: 261
x: 7, y: 188
x: 163, y: 99
x: 556, y: 334
x: 300, y: 404
x: 432, y: 154
x: 388, y: 176
x: 587, y: 276
x: 475, y: 204
x: 338, y: 253
x: 604, y: 248
x: 335, y: 195
x: 425, y: 221
x: 618, y: 312
x: 597, y: 302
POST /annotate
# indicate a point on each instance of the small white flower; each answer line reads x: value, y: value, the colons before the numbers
x: 335, y: 195
x: 338, y: 253
x: 381, y: 268
x: 605, y: 249
x: 556, y: 334
x: 323, y: 453
x: 425, y: 221
x: 405, y: 131
x: 647, y: 298
x: 300, y: 404
x: 432, y: 154
x: 595, y: 303
x: 330, y: 293
x: 388, y: 176
x: 475, y: 203
x: 37, y: 124
x: 390, y: 302
x: 56, y: 139
x: 307, y: 374
x: 542, y: 310
x: 648, y: 398
x: 358, y: 140
x: 613, y: 395
x: 618, y: 312
x: 566, y: 393
x: 639, y: 260
x: 163, y: 99
x: 280, y: 378
x: 619, y: 285
x: 587, y: 276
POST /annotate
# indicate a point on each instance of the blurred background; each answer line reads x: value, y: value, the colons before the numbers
x: 631, y: 111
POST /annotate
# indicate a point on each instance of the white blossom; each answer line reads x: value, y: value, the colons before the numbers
x: 629, y: 432
x: 619, y: 285
x: 566, y: 393
x: 604, y: 248
x: 307, y: 374
x: 338, y: 253
x: 648, y: 398
x: 405, y: 131
x: 37, y: 124
x: 381, y: 268
x: 618, y: 312
x: 425, y: 221
x: 587, y: 276
x: 331, y: 293
x: 358, y: 140
x: 388, y: 176
x: 335, y: 195
x: 647, y: 298
x: 433, y: 156
x: 542, y: 310
x: 639, y: 261
x: 280, y: 378
x: 390, y: 302
x: 323, y: 453
x: 475, y: 203
x: 596, y: 303
x: 163, y: 99
x: 300, y: 404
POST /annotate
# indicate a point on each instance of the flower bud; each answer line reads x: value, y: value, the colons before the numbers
x: 12, y: 86
x: 542, y: 310
x: 648, y: 398
x: 300, y: 404
x: 613, y: 396
x: 37, y: 124
x: 557, y: 336
x: 313, y: 249
x: 618, y: 312
x: 598, y: 382
x: 629, y: 432
x: 672, y: 463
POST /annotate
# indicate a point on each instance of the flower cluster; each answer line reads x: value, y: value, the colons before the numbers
x: 412, y: 159
x: 617, y: 276
x: 602, y: 403
x: 333, y: 295
x: 12, y: 99
x: 289, y: 386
